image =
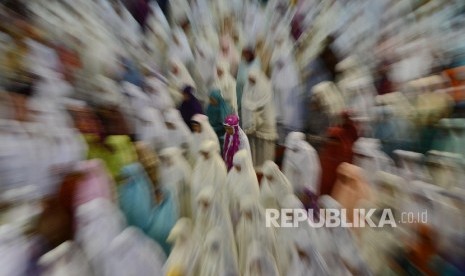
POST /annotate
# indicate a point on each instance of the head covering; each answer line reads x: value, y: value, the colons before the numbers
x: 218, y: 257
x: 258, y: 112
x: 184, y: 254
x: 301, y: 164
x: 209, y: 172
x: 191, y: 106
x: 279, y: 184
x: 149, y: 160
x: 226, y: 84
x: 260, y: 262
x: 206, y: 133
x: 176, y: 177
x: 231, y: 141
x: 218, y: 113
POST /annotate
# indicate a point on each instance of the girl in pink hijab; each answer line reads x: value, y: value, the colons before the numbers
x: 234, y: 140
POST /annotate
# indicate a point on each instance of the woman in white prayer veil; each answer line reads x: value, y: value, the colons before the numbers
x: 205, y: 57
x: 258, y: 116
x: 213, y: 212
x: 98, y: 223
x: 175, y: 132
x: 301, y: 164
x: 209, y: 170
x: 179, y: 47
x: 202, y: 132
x: 185, y: 253
x: 260, y: 262
x: 229, y: 54
x: 178, y: 78
x: 218, y: 257
x: 157, y: 41
x: 176, y: 177
x: 159, y: 94
x: 66, y: 259
x: 242, y: 180
x: 287, y: 96
x: 226, y: 83
x: 306, y: 260
x: 274, y: 185
x: 133, y: 253
x: 252, y: 226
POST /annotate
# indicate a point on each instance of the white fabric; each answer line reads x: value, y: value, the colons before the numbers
x: 275, y: 188
x: 218, y: 257
x: 185, y: 252
x: 176, y: 177
x: 229, y: 54
x: 98, y: 223
x: 177, y: 81
x: 370, y: 157
x: 132, y: 253
x: 206, y: 134
x: 251, y: 227
x: 209, y: 172
x: 179, y: 47
x: 14, y: 251
x: 258, y: 114
x: 159, y: 94
x: 180, y: 136
x: 243, y: 142
x: 66, y: 259
x: 260, y: 262
x: 226, y: 84
x: 204, y: 58
x: 301, y: 164
x: 240, y: 183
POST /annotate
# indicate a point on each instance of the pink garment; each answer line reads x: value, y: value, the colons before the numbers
x: 350, y: 189
x: 231, y: 142
x: 97, y: 183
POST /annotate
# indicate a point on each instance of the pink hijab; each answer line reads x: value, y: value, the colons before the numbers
x: 231, y: 142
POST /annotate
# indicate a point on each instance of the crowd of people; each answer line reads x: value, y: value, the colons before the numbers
x: 151, y: 137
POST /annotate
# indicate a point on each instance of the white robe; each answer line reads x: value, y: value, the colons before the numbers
x: 206, y: 134
x: 176, y: 177
x: 209, y: 172
x: 258, y: 117
x: 227, y: 85
x: 301, y: 164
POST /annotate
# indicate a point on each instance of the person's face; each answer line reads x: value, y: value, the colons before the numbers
x: 252, y: 80
x: 238, y: 168
x: 248, y: 214
x: 247, y: 55
x: 166, y: 160
x: 269, y: 178
x: 159, y: 196
x: 196, y: 128
x: 185, y: 96
x: 220, y: 72
x: 205, y: 155
x: 170, y: 125
x: 213, y: 101
x: 175, y: 70
x: 229, y: 130
x: 204, y: 204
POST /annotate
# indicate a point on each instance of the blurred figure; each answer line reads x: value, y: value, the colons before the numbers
x: 202, y: 131
x: 226, y: 83
x: 217, y: 111
x: 301, y: 164
x: 260, y: 263
x: 209, y: 170
x: 258, y: 117
x: 274, y: 185
x: 175, y: 177
x: 176, y: 134
x: 248, y: 62
x: 190, y: 105
x: 235, y: 140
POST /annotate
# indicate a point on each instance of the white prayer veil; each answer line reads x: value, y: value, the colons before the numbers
x: 260, y: 262
x: 218, y: 257
x: 209, y: 172
x: 301, y: 164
